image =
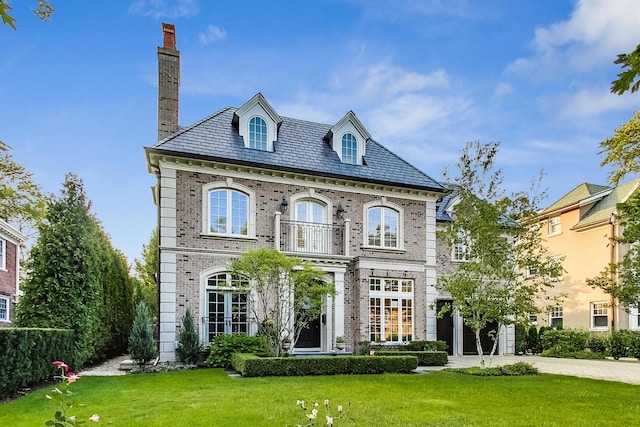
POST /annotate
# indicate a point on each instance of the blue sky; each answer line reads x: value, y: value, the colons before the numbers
x: 79, y: 93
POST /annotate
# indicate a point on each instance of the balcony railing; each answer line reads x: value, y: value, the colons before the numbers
x: 311, y: 238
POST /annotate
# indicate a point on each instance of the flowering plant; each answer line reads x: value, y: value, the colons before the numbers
x: 310, y: 418
x: 64, y: 399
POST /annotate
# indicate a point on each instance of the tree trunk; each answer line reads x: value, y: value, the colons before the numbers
x: 495, y: 345
x: 479, y: 348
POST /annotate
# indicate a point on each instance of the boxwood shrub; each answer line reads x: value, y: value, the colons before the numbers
x: 27, y: 356
x: 425, y: 358
x: 250, y: 365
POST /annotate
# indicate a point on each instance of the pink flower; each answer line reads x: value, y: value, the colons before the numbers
x: 326, y: 402
x: 94, y: 418
x: 329, y: 421
x: 61, y: 365
x: 73, y: 377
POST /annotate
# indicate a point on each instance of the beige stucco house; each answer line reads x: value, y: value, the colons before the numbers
x: 579, y: 229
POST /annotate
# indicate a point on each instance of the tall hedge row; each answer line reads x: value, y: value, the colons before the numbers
x: 27, y: 355
x: 76, y: 279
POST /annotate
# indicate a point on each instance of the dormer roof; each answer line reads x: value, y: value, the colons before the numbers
x: 353, y: 119
x: 258, y: 99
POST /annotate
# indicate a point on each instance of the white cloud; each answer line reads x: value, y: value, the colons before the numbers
x: 391, y: 81
x: 591, y: 102
x: 164, y: 8
x: 594, y: 34
x: 212, y: 34
x: 502, y: 89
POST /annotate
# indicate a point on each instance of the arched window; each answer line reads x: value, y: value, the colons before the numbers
x: 226, y: 305
x: 258, y: 134
x: 228, y: 212
x: 382, y: 227
x: 349, y: 149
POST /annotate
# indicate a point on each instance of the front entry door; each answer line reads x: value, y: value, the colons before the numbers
x: 444, y: 326
x: 310, y: 336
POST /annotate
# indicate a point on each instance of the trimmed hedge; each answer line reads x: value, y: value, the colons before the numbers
x: 425, y: 358
x: 27, y: 355
x: 250, y: 365
x: 424, y: 346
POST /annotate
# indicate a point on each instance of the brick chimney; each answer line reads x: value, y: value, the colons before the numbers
x: 168, y: 83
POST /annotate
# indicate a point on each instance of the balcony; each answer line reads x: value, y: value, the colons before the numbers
x: 311, y: 238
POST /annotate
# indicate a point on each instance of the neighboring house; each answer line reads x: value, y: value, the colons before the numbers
x: 450, y: 327
x: 246, y: 178
x: 578, y: 229
x: 10, y: 241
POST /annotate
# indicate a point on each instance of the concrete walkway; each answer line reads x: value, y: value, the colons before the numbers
x: 626, y: 371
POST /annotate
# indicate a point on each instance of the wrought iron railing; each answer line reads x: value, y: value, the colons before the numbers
x: 311, y: 238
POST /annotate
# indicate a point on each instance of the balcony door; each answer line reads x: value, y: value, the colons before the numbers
x: 312, y: 234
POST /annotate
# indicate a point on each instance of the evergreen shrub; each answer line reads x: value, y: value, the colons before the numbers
x: 224, y: 346
x: 250, y: 365
x: 425, y: 358
x: 27, y: 356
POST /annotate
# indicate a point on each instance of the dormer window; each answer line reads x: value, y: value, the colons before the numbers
x: 258, y: 124
x: 348, y: 138
x: 258, y: 134
x: 349, y: 149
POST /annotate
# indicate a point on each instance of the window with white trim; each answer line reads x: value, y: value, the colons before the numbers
x: 599, y: 315
x: 555, y: 227
x: 391, y: 309
x: 4, y: 309
x: 461, y: 251
x: 258, y: 134
x: 349, y: 149
x: 555, y: 317
x: 382, y: 227
x: 3, y: 254
x: 226, y: 305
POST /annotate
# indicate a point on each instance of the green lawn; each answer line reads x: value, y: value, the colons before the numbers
x: 210, y: 398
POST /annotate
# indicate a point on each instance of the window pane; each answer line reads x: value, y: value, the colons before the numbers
x: 239, y: 213
x: 258, y: 134
x: 390, y: 228
x: 391, y: 319
x: 4, y: 309
x: 375, y: 319
x: 374, y: 224
x: 218, y: 211
x: 407, y: 320
x: 349, y: 149
x: 600, y: 321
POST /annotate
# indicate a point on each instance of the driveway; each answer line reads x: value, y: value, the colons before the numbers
x: 626, y: 371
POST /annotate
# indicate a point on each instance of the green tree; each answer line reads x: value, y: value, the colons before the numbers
x: 21, y: 199
x: 146, y: 272
x: 626, y: 78
x: 43, y: 11
x: 189, y: 345
x: 142, y: 346
x: 506, y: 272
x: 622, y: 150
x: 75, y: 279
x: 287, y: 294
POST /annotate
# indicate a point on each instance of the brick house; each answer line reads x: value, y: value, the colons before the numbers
x: 246, y: 178
x: 450, y: 327
x: 10, y: 241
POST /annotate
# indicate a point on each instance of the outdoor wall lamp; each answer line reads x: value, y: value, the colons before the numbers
x: 284, y: 205
x: 340, y: 212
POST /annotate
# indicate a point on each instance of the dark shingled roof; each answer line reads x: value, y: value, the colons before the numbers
x: 300, y: 147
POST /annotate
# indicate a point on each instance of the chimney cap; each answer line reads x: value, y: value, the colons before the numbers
x: 169, y: 33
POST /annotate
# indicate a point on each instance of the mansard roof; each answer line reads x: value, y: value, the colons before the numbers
x: 301, y: 147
